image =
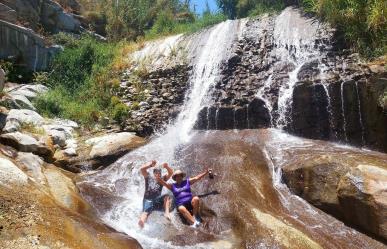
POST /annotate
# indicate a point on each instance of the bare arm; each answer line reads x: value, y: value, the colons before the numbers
x: 164, y: 183
x: 170, y: 172
x: 144, y: 168
x: 193, y: 180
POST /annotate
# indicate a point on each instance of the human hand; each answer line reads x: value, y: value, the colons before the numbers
x: 165, y: 165
x: 153, y: 162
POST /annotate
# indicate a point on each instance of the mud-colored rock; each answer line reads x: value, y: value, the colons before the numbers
x: 351, y: 187
x: 50, y: 214
x: 32, y: 165
x: 113, y: 145
x: 362, y: 193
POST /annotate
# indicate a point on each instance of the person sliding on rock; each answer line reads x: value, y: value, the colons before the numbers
x: 185, y: 202
x: 153, y: 200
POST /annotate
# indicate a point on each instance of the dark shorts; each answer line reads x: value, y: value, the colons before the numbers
x: 155, y: 204
x: 188, y: 206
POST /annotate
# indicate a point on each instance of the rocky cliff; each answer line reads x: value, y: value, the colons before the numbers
x: 287, y: 71
x: 22, y: 23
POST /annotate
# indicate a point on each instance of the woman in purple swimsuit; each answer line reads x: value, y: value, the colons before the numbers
x: 181, y: 189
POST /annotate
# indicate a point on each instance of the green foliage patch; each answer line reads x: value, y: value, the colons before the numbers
x: 363, y: 22
x: 80, y: 80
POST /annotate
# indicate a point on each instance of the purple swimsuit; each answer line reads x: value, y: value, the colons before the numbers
x: 182, y: 192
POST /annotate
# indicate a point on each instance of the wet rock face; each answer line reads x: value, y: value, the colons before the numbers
x: 243, y: 208
x: 351, y: 187
x: 41, y: 208
x: 345, y: 111
x: 302, y: 81
x: 158, y: 101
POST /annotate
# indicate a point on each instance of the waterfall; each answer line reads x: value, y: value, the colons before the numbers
x: 216, y: 118
x: 343, y: 111
x: 294, y: 40
x: 323, y: 69
x: 262, y: 94
x: 360, y: 116
x: 215, y: 46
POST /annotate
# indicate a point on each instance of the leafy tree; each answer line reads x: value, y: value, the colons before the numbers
x: 229, y: 7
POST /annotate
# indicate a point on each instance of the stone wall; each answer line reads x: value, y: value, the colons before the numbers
x: 156, y: 100
x: 24, y: 46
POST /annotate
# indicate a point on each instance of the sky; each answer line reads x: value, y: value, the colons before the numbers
x: 200, y: 5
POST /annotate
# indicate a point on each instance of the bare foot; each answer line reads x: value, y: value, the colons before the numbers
x: 167, y: 216
x: 141, y: 224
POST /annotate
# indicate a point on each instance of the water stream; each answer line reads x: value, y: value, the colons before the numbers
x: 254, y: 209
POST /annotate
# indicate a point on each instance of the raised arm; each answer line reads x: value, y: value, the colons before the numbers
x: 144, y: 168
x: 164, y: 183
x: 170, y: 172
x: 193, y: 180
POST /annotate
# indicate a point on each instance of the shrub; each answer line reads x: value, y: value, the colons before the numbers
x: 41, y: 78
x: 120, y: 113
x: 79, y: 81
x: 363, y: 22
x: 16, y: 73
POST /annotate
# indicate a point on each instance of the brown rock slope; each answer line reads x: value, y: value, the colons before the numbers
x: 40, y: 207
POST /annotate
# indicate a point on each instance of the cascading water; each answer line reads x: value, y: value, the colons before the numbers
x: 360, y: 115
x: 323, y: 69
x: 343, y: 111
x: 294, y: 40
x: 262, y: 94
x: 215, y: 46
x: 255, y: 208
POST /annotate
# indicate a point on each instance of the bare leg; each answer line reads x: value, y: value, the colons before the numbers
x: 186, y: 214
x: 167, y: 206
x: 195, y: 205
x: 143, y: 218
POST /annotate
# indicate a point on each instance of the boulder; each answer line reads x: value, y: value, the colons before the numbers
x: 16, y: 101
x: 3, y: 117
x: 63, y: 189
x: 7, y: 14
x: 32, y: 165
x: 28, y: 91
x: 362, y: 193
x: 58, y: 137
x: 113, y: 145
x: 26, y: 46
x: 28, y: 10
x: 17, y: 117
x: 10, y: 174
x: 353, y: 188
x: 54, y: 19
x: 26, y: 143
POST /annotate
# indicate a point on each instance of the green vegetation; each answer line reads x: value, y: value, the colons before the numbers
x: 166, y: 24
x: 83, y: 79
x: 85, y: 76
x: 132, y: 20
x: 363, y: 22
x: 15, y: 72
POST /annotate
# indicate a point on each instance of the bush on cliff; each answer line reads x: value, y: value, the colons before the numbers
x: 167, y: 24
x: 363, y: 22
x: 82, y: 80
